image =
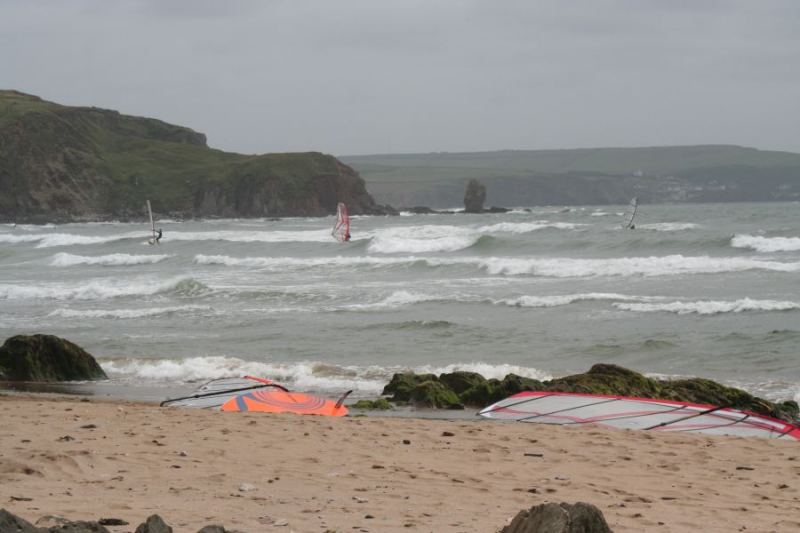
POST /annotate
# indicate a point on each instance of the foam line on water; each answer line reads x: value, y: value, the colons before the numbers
x: 63, y: 259
x: 711, y: 307
x: 766, y: 244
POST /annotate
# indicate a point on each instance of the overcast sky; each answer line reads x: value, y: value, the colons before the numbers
x: 375, y: 76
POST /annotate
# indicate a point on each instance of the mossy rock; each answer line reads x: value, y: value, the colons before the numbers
x: 46, y: 358
x: 381, y: 404
x: 436, y: 395
x: 513, y: 384
x: 607, y: 379
x: 700, y: 390
x: 483, y: 394
x: 402, y: 384
x: 461, y: 381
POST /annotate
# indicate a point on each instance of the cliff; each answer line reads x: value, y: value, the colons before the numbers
x: 61, y: 163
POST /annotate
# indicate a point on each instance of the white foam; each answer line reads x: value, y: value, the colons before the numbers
x: 49, y: 240
x: 303, y: 375
x: 67, y: 260
x: 711, y: 307
x: 669, y: 226
x: 323, y: 235
x: 279, y: 263
x: 527, y: 227
x: 766, y: 244
x: 423, y: 239
x: 399, y: 299
x: 630, y: 266
x: 128, y: 313
x: 101, y: 289
x: 566, y: 299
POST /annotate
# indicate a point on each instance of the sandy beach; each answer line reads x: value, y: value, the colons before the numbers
x: 86, y: 459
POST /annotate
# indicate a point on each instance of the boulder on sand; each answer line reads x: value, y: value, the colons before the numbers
x: 559, y: 518
x: 46, y: 358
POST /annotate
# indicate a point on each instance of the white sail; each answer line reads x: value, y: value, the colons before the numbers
x: 634, y: 205
x: 152, y: 224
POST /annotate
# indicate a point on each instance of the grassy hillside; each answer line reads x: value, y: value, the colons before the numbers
x: 676, y: 173
x: 59, y: 162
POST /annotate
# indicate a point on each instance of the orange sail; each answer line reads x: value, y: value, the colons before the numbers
x: 280, y: 401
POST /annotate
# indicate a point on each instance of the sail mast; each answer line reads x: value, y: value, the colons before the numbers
x: 152, y: 223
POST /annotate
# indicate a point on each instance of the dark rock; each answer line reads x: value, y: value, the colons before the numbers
x: 112, y: 522
x: 495, y: 209
x: 474, y: 197
x: 434, y: 394
x: 78, y: 527
x: 401, y: 385
x: 419, y: 210
x: 15, y: 524
x: 559, y: 518
x: 213, y: 529
x: 154, y: 524
x: 381, y: 404
x: 494, y: 390
x: 460, y: 381
x: 46, y: 358
x: 607, y: 379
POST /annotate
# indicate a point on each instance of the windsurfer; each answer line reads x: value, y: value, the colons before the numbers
x: 347, y: 236
x: 158, y: 237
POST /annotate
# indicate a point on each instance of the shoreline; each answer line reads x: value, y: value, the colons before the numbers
x: 85, y: 458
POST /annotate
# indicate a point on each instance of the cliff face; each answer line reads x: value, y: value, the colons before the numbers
x: 60, y: 163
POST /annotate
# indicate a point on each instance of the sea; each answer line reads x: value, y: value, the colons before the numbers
x: 695, y: 290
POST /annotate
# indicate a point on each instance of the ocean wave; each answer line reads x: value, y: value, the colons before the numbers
x: 766, y: 244
x: 630, y: 266
x: 566, y: 299
x: 668, y: 226
x: 306, y: 375
x: 399, y: 299
x: 423, y: 239
x: 67, y: 260
x: 129, y: 313
x: 323, y: 235
x: 711, y: 307
x: 521, y: 266
x: 101, y: 290
x: 527, y: 227
x: 50, y: 240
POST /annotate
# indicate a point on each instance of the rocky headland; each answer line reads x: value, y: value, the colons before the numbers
x: 60, y: 164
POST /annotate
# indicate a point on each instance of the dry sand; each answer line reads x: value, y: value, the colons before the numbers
x: 254, y: 472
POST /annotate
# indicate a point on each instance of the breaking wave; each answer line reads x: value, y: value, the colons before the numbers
x: 312, y: 376
x: 101, y: 290
x: 566, y: 299
x: 49, y: 240
x: 67, y: 260
x: 323, y: 235
x: 527, y: 227
x: 766, y: 244
x: 711, y: 307
x: 128, y: 313
x: 423, y: 239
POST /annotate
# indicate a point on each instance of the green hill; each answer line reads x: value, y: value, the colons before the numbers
x: 77, y: 163
x: 585, y: 176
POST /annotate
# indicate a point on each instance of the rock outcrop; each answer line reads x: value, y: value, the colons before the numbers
x: 46, y: 358
x: 60, y: 163
x: 474, y: 197
x: 559, y: 518
x: 10, y: 523
x: 469, y: 388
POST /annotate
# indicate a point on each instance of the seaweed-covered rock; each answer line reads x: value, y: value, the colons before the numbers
x: 401, y: 385
x: 434, y: 394
x: 381, y: 404
x: 78, y: 527
x: 607, y: 379
x: 461, y: 380
x: 559, y: 518
x: 46, y: 358
x: 494, y: 390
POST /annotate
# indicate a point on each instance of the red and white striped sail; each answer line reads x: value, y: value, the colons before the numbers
x: 565, y: 408
x: 341, y: 229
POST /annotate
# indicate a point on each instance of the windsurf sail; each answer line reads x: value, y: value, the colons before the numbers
x: 281, y: 401
x: 567, y: 409
x: 631, y: 214
x: 218, y: 391
x: 152, y: 239
x: 341, y: 228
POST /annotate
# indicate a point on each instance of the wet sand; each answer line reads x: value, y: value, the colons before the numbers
x: 84, y: 458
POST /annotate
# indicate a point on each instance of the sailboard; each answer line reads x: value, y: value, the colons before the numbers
x: 633, y: 207
x: 152, y: 239
x: 563, y: 408
x: 341, y: 228
x: 253, y: 394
